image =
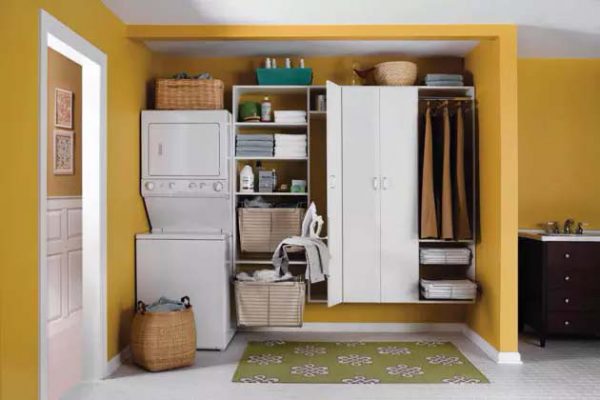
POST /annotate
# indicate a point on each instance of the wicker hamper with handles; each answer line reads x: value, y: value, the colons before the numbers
x: 270, y: 303
x: 163, y: 340
x: 262, y: 229
x: 189, y: 94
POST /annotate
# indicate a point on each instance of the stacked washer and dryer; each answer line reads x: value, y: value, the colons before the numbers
x: 187, y: 189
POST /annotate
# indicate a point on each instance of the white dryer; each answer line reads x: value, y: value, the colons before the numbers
x: 187, y: 191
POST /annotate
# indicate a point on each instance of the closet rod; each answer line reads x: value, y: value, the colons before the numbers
x: 446, y: 98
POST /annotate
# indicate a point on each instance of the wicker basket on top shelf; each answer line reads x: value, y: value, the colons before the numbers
x: 189, y: 94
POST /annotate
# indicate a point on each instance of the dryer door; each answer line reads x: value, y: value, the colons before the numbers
x: 185, y: 150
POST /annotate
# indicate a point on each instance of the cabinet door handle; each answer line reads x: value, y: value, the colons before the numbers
x: 567, y: 255
x: 567, y: 323
x: 567, y: 278
x: 385, y: 183
x: 332, y: 181
x: 567, y: 300
x: 375, y: 183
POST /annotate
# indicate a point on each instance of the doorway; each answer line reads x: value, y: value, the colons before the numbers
x: 72, y: 226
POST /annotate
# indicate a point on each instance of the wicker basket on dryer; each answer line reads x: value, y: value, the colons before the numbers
x: 189, y: 94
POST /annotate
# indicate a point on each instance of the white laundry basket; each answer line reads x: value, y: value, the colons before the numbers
x: 277, y: 304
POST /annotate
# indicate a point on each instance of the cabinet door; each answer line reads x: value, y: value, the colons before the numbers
x: 399, y: 194
x: 334, y: 193
x: 360, y: 193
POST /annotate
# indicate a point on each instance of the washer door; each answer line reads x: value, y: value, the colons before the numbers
x: 185, y: 150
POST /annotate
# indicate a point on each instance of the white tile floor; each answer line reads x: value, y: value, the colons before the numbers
x: 565, y: 369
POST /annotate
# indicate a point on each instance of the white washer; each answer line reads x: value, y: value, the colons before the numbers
x: 195, y: 265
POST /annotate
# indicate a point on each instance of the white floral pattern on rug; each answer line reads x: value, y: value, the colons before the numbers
x: 361, y: 380
x: 259, y: 379
x: 265, y: 359
x: 460, y: 380
x: 356, y: 360
x: 310, y: 350
x: 273, y: 343
x: 404, y: 370
x: 441, y: 359
x: 431, y: 343
x: 350, y: 344
x: 309, y: 370
x: 393, y: 350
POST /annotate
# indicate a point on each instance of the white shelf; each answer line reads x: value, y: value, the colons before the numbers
x: 271, y: 89
x: 271, y: 194
x: 442, y: 241
x: 274, y: 158
x: 270, y: 124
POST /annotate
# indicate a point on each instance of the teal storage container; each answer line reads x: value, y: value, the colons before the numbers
x: 284, y: 76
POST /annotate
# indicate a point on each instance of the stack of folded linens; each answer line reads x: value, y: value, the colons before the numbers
x: 290, y: 116
x: 437, y: 255
x: 444, y: 80
x: 254, y: 145
x: 290, y: 145
x: 461, y: 289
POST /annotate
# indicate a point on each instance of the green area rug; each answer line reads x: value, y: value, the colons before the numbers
x: 355, y: 363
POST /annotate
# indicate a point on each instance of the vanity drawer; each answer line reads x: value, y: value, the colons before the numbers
x: 571, y: 279
x: 568, y: 256
x: 565, y: 322
x: 569, y: 299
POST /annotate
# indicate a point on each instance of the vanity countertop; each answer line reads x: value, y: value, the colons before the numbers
x: 589, y: 236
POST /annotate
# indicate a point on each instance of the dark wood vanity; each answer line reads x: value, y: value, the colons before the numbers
x: 559, y: 287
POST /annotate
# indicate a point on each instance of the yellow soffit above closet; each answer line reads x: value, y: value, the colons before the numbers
x: 318, y: 32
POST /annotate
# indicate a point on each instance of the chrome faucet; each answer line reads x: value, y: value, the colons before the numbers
x: 580, y: 226
x: 568, y: 227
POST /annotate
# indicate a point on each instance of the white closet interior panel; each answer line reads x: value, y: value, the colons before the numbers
x: 399, y: 188
x: 361, y: 184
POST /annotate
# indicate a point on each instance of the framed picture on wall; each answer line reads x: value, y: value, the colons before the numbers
x: 64, y: 157
x: 63, y: 106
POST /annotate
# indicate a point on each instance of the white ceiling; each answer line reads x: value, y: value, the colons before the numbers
x: 547, y: 28
x: 312, y: 48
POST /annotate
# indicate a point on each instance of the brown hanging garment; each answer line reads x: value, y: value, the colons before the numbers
x: 463, y: 227
x: 447, y: 226
x: 429, y: 226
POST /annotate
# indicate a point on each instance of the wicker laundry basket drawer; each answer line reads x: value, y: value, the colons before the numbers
x: 189, y: 94
x: 277, y: 304
x: 262, y: 229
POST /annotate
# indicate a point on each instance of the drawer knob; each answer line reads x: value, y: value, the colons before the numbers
x: 567, y: 255
x: 567, y: 278
x: 567, y: 323
x: 567, y: 300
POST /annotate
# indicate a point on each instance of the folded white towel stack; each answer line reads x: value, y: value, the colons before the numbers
x: 290, y: 145
x: 462, y: 289
x: 456, y: 256
x: 290, y: 116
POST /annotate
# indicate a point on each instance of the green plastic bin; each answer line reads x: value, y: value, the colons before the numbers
x: 284, y: 76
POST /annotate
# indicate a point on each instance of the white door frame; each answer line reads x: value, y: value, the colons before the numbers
x: 55, y: 35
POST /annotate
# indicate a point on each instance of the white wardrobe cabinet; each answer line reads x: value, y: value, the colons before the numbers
x: 372, y: 165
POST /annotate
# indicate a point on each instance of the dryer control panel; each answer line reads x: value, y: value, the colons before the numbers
x: 185, y: 187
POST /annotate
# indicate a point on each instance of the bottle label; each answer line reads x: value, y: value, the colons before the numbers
x: 265, y: 112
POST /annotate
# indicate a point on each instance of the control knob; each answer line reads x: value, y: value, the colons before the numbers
x: 171, y: 185
x: 217, y: 186
x: 149, y: 185
x: 192, y: 185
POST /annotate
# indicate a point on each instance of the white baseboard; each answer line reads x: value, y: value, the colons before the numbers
x: 359, y: 327
x: 117, y: 361
x: 501, y: 357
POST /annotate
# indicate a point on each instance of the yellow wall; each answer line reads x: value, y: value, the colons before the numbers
x: 128, y: 71
x: 64, y: 74
x: 559, y: 150
x: 493, y: 66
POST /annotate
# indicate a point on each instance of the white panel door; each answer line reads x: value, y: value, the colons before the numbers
x: 360, y: 191
x: 64, y: 325
x: 334, y: 193
x: 184, y: 150
x: 399, y: 194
